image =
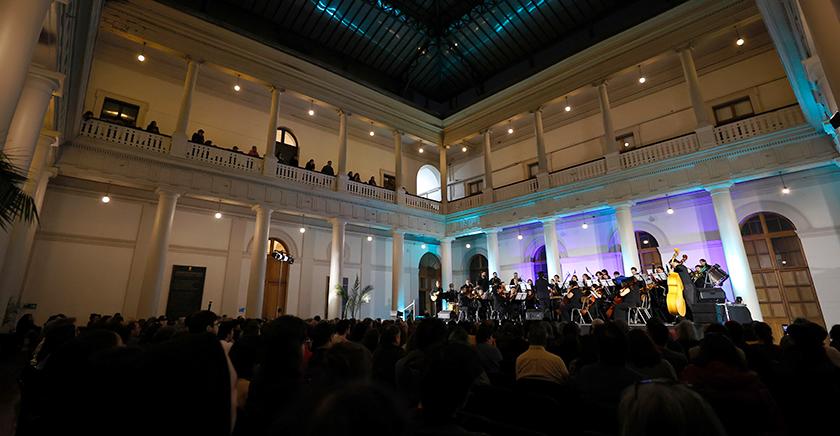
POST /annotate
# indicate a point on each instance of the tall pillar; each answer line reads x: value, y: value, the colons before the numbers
x: 270, y: 158
x: 445, y: 262
x: 259, y: 250
x: 21, y: 235
x: 20, y: 26
x: 179, y: 135
x: 610, y: 146
x: 29, y: 117
x: 740, y: 274
x: 342, y: 144
x: 542, y: 157
x: 552, y: 247
x: 488, y: 162
x: 444, y: 177
x: 492, y: 250
x: 398, y: 300
x: 701, y: 115
x: 398, y: 172
x: 627, y: 235
x: 152, y: 283
x: 336, y: 262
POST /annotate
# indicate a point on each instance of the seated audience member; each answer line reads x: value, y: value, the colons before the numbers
x: 686, y: 335
x: 644, y: 358
x: 410, y: 369
x: 310, y: 165
x: 658, y: 332
x: 720, y: 375
x: 253, y: 151
x: 386, y: 355
x: 198, y: 137
x: 235, y: 149
x: 88, y: 115
x: 488, y: 355
x: 834, y: 334
x: 654, y: 408
x: 342, y: 328
x: 359, y: 409
x: 372, y: 181
x: 208, y: 142
x: 537, y: 363
x: 328, y: 169
x: 153, y: 127
x: 761, y: 353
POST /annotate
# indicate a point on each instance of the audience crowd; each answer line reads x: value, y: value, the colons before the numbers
x: 210, y: 375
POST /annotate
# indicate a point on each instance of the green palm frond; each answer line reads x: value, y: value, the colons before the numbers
x: 15, y: 204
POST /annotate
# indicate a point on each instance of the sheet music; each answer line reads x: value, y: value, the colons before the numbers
x: 588, y: 283
x: 607, y: 282
x: 520, y: 296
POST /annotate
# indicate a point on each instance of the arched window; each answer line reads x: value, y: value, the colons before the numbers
x: 539, y: 262
x: 286, y: 147
x: 648, y: 248
x: 428, y: 182
x: 478, y: 264
x: 780, y: 271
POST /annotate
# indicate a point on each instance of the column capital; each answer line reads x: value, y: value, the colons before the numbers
x: 685, y: 47
x: 549, y: 220
x: 719, y: 187
x: 447, y: 239
x: 261, y: 207
x: 167, y: 192
x: 50, y: 81
x: 343, y: 112
x: 537, y: 109
x: 622, y: 205
x: 337, y: 221
x: 599, y: 83
x: 491, y: 230
x: 398, y: 231
x: 397, y: 132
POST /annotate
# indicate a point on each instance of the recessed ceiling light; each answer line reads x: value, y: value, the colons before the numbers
x: 217, y: 215
x: 464, y: 149
x: 739, y: 41
x: 106, y: 198
x: 584, y: 226
x: 420, y: 150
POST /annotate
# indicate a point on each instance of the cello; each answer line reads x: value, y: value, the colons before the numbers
x: 675, y: 300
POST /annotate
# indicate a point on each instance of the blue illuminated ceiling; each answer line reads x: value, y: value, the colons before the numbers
x: 439, y: 55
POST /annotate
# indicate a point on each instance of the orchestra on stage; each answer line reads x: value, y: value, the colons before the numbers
x: 635, y: 297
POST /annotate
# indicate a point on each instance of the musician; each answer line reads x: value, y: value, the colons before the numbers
x: 438, y: 292
x: 464, y: 302
x: 541, y: 291
x: 483, y: 282
x: 689, y: 292
x: 495, y: 281
x: 571, y: 299
x: 631, y: 286
x: 515, y: 280
x: 617, y: 278
x: 698, y: 277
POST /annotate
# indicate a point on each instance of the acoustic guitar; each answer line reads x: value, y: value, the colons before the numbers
x: 675, y: 300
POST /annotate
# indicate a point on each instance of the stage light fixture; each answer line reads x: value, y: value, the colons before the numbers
x: 371, y: 133
x: 785, y: 190
x: 670, y: 210
x: 740, y: 39
x: 302, y: 230
x: 585, y: 225
x: 141, y: 56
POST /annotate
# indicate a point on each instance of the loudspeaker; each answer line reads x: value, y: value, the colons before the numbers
x: 710, y: 295
x: 533, y: 315
x: 733, y: 312
x: 704, y: 313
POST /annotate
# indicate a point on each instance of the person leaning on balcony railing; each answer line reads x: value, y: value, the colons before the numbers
x: 328, y: 169
x: 198, y: 137
x: 357, y: 178
x: 153, y: 127
x: 372, y: 181
x: 310, y: 166
x: 253, y: 151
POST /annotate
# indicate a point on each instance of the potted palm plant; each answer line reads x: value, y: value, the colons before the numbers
x: 353, y: 299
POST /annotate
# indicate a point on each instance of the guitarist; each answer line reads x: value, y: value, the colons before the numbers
x: 437, y: 297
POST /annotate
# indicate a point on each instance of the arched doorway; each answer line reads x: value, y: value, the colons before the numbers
x: 430, y: 271
x: 428, y: 182
x: 539, y: 262
x: 648, y: 248
x: 276, y: 281
x: 780, y: 271
x: 286, y: 147
x: 478, y: 264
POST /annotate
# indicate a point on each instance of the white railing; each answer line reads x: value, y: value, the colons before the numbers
x: 422, y: 203
x: 760, y: 124
x: 126, y: 136
x: 370, y: 191
x: 659, y: 151
x: 305, y: 177
x: 515, y: 190
x: 578, y: 173
x: 224, y: 158
x: 464, y: 203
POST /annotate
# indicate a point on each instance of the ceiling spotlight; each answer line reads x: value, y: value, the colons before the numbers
x: 510, y: 127
x: 568, y: 107
x: 740, y: 41
x: 141, y: 56
x: 670, y: 210
x: 217, y: 215
x: 468, y: 246
x: 371, y: 133
x: 645, y: 242
x: 311, y: 108
x: 422, y: 246
x: 464, y: 149
x: 626, y: 144
x: 106, y: 199
x: 302, y: 230
x: 420, y: 150
x: 785, y: 189
x: 236, y: 86
x: 519, y: 236
x: 584, y: 226
x: 370, y: 238
x: 642, y: 78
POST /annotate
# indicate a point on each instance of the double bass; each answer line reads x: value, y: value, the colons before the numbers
x: 675, y: 300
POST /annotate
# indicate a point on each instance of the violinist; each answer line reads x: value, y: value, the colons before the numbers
x: 515, y: 280
x: 628, y: 297
x: 572, y: 296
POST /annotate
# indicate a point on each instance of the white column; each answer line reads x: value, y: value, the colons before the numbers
x: 20, y: 26
x: 336, y: 262
x: 609, y: 145
x: 552, y: 247
x: 444, y: 177
x: 29, y: 117
x: 270, y: 159
x: 179, y: 135
x: 492, y: 250
x: 627, y: 235
x: 259, y: 250
x: 446, y: 262
x: 398, y: 172
x: 701, y: 115
x: 733, y: 248
x: 341, y: 168
x: 152, y: 284
x: 542, y: 157
x: 488, y: 162
x: 21, y: 236
x: 398, y: 298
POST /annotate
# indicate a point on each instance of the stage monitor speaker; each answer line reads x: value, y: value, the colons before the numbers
x: 533, y: 315
x: 710, y: 295
x: 733, y: 312
x: 704, y: 313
